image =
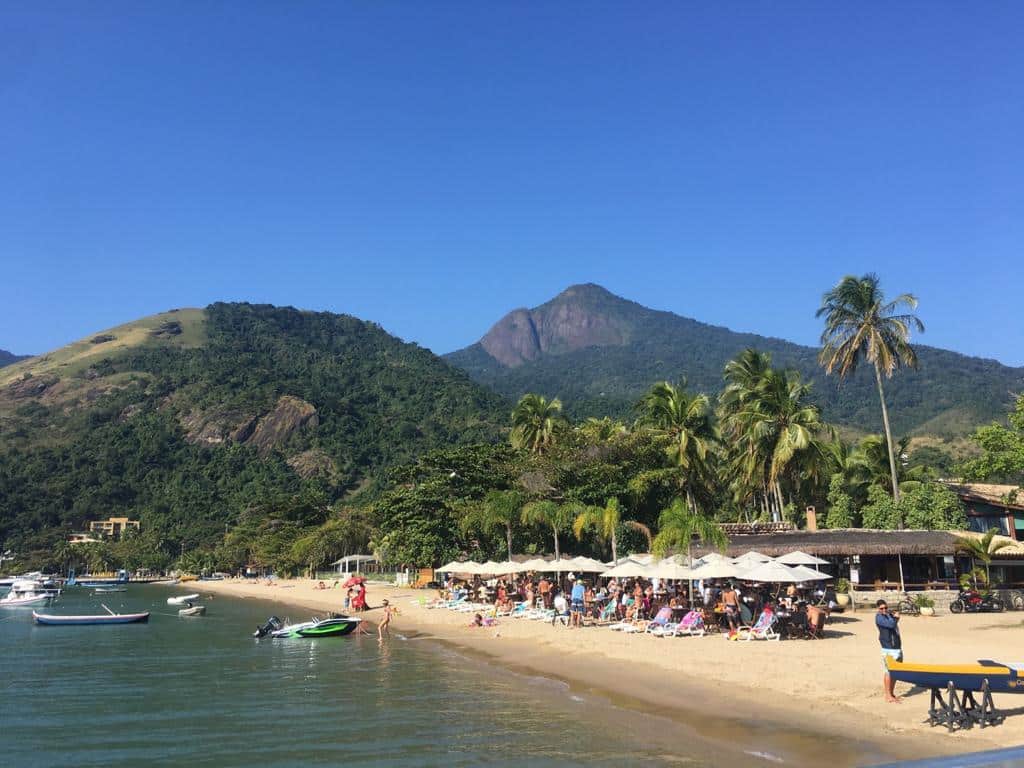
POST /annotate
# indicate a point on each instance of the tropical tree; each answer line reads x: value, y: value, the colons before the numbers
x: 869, y: 465
x: 602, y: 430
x: 535, y: 423
x: 982, y: 549
x: 684, y: 419
x: 499, y: 509
x: 678, y: 525
x: 860, y: 325
x: 557, y: 517
x: 606, y: 521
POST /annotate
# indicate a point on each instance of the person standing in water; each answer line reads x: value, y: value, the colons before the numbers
x: 384, y: 627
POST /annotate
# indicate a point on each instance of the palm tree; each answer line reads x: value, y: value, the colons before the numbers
x: 982, y: 549
x: 606, y: 521
x: 556, y: 516
x: 535, y: 423
x: 869, y: 464
x: 602, y: 430
x: 860, y: 325
x: 500, y: 509
x: 677, y: 527
x: 685, y: 420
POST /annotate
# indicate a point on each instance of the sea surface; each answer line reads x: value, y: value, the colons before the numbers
x: 204, y: 692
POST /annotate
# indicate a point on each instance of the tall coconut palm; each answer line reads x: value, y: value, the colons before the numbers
x: 557, y: 517
x: 869, y: 465
x: 860, y: 325
x: 983, y: 548
x: 678, y: 525
x: 606, y: 521
x: 685, y: 420
x: 499, y: 509
x: 535, y: 423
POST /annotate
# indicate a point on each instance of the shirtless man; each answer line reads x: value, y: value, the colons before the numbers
x: 731, y: 600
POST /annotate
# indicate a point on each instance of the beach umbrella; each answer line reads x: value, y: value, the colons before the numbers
x: 723, y: 569
x: 562, y: 566
x: 711, y: 557
x: 773, y: 573
x: 800, y: 558
x: 628, y: 570
x: 751, y: 557
x: 536, y: 564
x: 491, y: 568
x: 588, y: 565
x: 454, y: 566
x: 807, y: 574
x: 667, y: 569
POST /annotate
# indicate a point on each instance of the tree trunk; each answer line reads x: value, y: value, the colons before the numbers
x: 558, y: 555
x: 888, y: 441
x: 689, y: 563
x: 508, y: 538
x: 615, y: 550
x: 779, y: 501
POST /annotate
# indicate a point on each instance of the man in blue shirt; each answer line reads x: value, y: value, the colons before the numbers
x: 578, y: 591
x: 892, y: 646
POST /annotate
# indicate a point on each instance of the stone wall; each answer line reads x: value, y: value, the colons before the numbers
x: 866, y: 599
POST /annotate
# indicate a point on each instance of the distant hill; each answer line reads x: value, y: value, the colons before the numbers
x: 6, y: 358
x: 599, y: 352
x: 186, y: 418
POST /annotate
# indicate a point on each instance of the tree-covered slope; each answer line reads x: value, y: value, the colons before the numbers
x: 599, y: 352
x: 187, y: 419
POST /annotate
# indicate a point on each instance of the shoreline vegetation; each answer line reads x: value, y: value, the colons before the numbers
x: 796, y: 699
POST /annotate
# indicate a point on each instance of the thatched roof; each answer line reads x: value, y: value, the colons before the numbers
x: 1006, y: 496
x: 844, y: 541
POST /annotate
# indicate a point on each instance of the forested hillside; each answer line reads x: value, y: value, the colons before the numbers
x: 189, y: 419
x: 598, y: 353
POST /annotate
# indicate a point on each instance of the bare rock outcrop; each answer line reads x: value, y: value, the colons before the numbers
x: 274, y: 429
x: 313, y: 463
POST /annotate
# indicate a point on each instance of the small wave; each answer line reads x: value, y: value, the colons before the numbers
x: 764, y: 756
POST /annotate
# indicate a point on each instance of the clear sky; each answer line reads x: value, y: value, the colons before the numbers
x: 431, y: 165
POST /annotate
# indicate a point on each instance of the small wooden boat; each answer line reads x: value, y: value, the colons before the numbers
x: 193, y: 610
x: 108, y: 590
x: 1001, y: 678
x: 182, y: 599
x: 109, y: 618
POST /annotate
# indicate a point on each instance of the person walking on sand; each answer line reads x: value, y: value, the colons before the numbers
x: 892, y: 646
x: 384, y: 627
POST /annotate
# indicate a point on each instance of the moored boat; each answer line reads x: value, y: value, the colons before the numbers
x: 110, y: 618
x: 1001, y: 677
x: 182, y: 599
x: 108, y: 590
x: 27, y: 592
x: 193, y: 610
x: 335, y: 626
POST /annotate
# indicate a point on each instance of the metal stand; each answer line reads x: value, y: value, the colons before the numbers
x: 959, y: 709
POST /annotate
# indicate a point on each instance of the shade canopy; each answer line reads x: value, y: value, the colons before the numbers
x: 458, y: 566
x: 808, y: 574
x: 669, y: 569
x: 588, y: 565
x: 800, y: 558
x: 724, y: 569
x: 711, y: 557
x: 751, y: 557
x: 491, y: 568
x: 774, y: 572
x: 628, y: 570
x: 536, y: 564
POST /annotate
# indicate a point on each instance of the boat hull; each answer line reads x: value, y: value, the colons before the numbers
x: 118, y: 618
x: 25, y: 602
x: 326, y: 628
x: 182, y: 599
x: 1002, y: 678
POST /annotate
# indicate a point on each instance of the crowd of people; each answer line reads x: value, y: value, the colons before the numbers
x: 579, y: 601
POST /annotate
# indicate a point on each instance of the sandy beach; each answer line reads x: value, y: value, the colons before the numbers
x: 807, y: 695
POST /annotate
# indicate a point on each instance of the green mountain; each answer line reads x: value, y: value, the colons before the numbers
x: 6, y: 358
x: 189, y: 418
x: 598, y: 352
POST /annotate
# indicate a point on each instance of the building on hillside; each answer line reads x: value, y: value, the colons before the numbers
x: 992, y: 506
x: 874, y: 558
x: 113, y: 527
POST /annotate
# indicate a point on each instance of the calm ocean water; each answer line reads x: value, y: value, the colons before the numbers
x: 204, y: 692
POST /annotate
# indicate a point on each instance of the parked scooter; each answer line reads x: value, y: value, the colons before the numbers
x: 972, y: 601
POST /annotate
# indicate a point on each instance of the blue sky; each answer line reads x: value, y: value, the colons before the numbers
x: 431, y: 165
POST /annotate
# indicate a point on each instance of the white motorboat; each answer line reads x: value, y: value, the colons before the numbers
x: 27, y: 592
x: 182, y: 599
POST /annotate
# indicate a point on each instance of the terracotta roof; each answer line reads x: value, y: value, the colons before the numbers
x: 999, y: 495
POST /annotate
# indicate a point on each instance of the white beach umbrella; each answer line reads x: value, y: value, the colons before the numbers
x: 491, y: 568
x: 536, y: 564
x: 808, y: 574
x: 667, y: 569
x: 627, y: 570
x: 456, y: 566
x: 711, y: 557
x: 724, y: 569
x: 588, y: 565
x: 773, y: 573
x: 751, y: 557
x: 800, y: 558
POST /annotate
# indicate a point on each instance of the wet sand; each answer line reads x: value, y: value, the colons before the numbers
x: 798, y: 700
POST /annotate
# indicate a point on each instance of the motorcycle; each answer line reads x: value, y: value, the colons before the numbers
x: 970, y: 601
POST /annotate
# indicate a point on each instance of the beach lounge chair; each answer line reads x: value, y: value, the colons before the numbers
x: 607, y: 615
x: 681, y: 627
x: 660, y: 620
x: 763, y: 629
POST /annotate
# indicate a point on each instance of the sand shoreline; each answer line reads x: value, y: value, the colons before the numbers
x: 800, y: 697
